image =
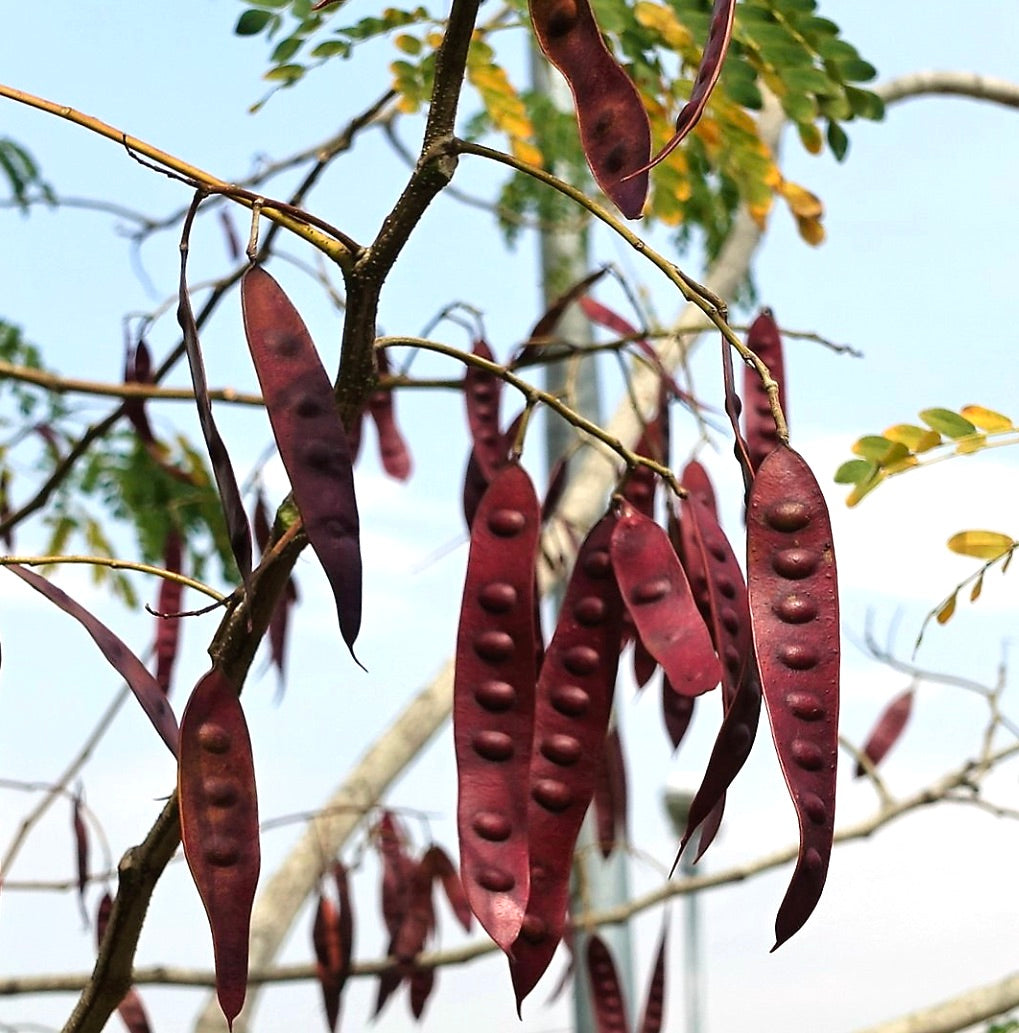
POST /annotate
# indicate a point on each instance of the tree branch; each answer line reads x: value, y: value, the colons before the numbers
x: 945, y: 83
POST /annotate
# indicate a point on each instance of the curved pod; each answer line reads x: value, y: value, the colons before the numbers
x: 795, y: 614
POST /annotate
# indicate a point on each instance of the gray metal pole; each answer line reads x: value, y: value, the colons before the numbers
x: 605, y: 884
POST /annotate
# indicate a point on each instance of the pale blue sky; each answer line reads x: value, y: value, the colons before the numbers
x: 918, y: 271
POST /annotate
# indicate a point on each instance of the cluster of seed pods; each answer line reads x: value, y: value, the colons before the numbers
x: 219, y: 825
x: 794, y: 608
x: 606, y: 992
x: 573, y: 703
x: 310, y: 436
x: 614, y: 129
x: 764, y: 340
x: 493, y: 702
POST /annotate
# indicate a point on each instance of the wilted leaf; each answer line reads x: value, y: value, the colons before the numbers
x: 946, y: 609
x: 983, y: 545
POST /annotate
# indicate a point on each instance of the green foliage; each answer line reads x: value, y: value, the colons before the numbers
x: 22, y: 174
x: 1007, y: 1025
x: 151, y: 491
x: 782, y: 45
x: 907, y: 445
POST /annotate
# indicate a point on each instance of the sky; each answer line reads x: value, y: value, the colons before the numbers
x: 917, y: 272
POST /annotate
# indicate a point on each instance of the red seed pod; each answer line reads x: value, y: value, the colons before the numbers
x: 133, y: 1014
x: 644, y: 664
x: 124, y: 662
x: 310, y: 436
x: 677, y: 712
x: 765, y: 341
x: 396, y: 868
x: 419, y: 920
x: 7, y: 536
x: 138, y: 370
x: 279, y: 622
x: 169, y: 603
x: 447, y: 874
x: 325, y: 939
x: 696, y: 481
x: 710, y: 68
x: 393, y: 449
x: 482, y: 392
x: 422, y: 982
x: 886, y: 732
x: 557, y: 480
x: 571, y: 717
x: 103, y: 917
x: 654, y: 1004
x: 614, y: 129
x: 493, y: 702
x: 657, y: 595
x: 726, y: 609
x: 219, y: 825
x: 610, y: 796
x: 606, y: 993
x: 80, y: 850
x: 342, y: 882
x: 795, y: 611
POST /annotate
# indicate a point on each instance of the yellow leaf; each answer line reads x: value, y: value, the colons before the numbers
x: 802, y: 203
x: 710, y: 132
x: 663, y: 20
x: 526, y: 152
x: 811, y: 230
x: 811, y: 138
x: 967, y: 446
x: 945, y: 611
x: 916, y: 439
x: 977, y: 588
x: 983, y: 545
x: 986, y: 419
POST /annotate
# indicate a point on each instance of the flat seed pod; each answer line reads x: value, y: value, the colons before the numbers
x: 677, y: 712
x: 710, y: 68
x: 325, y: 938
x: 482, y: 392
x: 393, y: 450
x: 452, y: 887
x: 725, y: 607
x: 610, y: 796
x: 145, y: 687
x: 657, y: 595
x: 795, y: 613
x: 886, y: 732
x: 168, y: 604
x: 606, y: 993
x: 310, y: 436
x: 422, y: 982
x: 654, y: 1004
x: 614, y: 129
x: 571, y: 716
x: 219, y: 825
x: 765, y: 341
x: 493, y: 702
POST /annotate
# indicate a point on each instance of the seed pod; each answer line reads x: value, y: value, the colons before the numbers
x: 138, y: 370
x: 419, y: 920
x: 610, y: 796
x: 280, y: 620
x: 710, y: 68
x: 422, y: 982
x: 482, y: 391
x: 310, y: 436
x: 168, y: 606
x: 795, y: 611
x: 130, y: 1008
x: 571, y: 716
x: 397, y: 866
x: 606, y: 993
x: 453, y: 888
x: 657, y: 595
x: 393, y: 449
x: 346, y: 908
x: 238, y: 530
x: 886, y: 732
x: 677, y: 711
x: 325, y: 939
x: 219, y: 825
x: 723, y: 599
x: 549, y: 320
x: 765, y: 341
x: 80, y: 850
x: 614, y: 129
x: 123, y: 661
x: 493, y: 702
x: 654, y: 1005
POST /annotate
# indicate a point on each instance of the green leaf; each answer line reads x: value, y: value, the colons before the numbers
x: 946, y: 422
x: 251, y: 23
x: 837, y: 140
x: 286, y: 49
x: 285, y: 74
x: 853, y: 471
x: 865, y: 104
x: 879, y: 449
x: 855, y: 69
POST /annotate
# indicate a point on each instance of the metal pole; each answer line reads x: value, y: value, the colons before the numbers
x: 604, y: 884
